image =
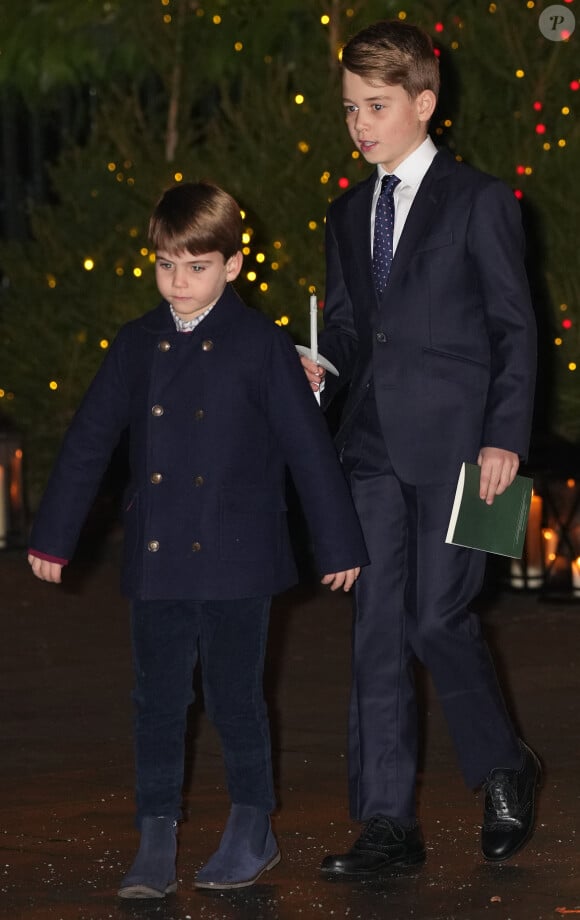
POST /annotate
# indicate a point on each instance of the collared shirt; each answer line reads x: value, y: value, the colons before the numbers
x: 188, y: 325
x: 411, y: 172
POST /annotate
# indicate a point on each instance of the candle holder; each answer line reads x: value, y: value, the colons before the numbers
x: 13, y: 515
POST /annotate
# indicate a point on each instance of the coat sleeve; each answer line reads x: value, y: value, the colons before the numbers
x: 306, y: 444
x: 495, y: 241
x: 83, y: 459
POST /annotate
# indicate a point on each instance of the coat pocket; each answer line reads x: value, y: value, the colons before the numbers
x: 252, y: 526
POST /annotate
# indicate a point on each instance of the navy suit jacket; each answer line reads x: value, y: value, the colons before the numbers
x: 215, y: 419
x: 450, y: 347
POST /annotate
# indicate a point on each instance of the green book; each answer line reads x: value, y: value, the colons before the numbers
x: 499, y: 528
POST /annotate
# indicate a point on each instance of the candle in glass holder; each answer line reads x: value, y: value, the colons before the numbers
x: 576, y: 577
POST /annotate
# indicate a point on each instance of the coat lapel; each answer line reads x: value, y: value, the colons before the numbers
x: 422, y: 215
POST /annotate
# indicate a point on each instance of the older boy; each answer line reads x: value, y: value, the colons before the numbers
x: 428, y: 317
x: 216, y: 405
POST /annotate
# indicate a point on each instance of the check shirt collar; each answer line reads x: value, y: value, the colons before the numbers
x: 188, y: 325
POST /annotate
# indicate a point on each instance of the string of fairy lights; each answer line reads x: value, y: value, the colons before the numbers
x: 261, y: 264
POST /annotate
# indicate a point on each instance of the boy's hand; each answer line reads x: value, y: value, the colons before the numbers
x: 45, y: 570
x: 314, y: 372
x: 344, y: 580
x: 498, y: 471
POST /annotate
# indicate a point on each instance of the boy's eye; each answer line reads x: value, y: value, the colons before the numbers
x: 349, y: 109
x: 165, y: 265
x: 197, y: 268
x: 377, y: 106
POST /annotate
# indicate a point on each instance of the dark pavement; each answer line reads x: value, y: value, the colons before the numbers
x: 66, y: 767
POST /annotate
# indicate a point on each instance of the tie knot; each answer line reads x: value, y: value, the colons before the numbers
x: 388, y: 183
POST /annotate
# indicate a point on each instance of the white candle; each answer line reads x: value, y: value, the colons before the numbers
x: 3, y: 508
x: 576, y: 576
x: 313, y: 328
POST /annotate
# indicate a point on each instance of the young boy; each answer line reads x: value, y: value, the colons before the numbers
x: 217, y: 406
x: 428, y: 317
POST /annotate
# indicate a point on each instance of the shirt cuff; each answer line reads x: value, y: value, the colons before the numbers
x: 39, y: 555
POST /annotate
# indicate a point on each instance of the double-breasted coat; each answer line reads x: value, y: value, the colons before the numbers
x: 216, y: 417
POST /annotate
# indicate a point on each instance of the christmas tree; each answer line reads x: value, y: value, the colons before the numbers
x: 248, y: 95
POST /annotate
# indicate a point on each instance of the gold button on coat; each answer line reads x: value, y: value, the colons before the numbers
x: 207, y: 345
x: 164, y: 345
x: 196, y: 547
x: 153, y: 546
x: 156, y: 478
x: 157, y: 411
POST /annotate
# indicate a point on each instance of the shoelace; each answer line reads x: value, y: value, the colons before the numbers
x: 375, y: 829
x: 502, y: 797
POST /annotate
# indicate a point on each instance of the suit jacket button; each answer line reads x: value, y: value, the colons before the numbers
x: 157, y: 411
x: 207, y: 345
x: 196, y: 547
x: 164, y: 345
x: 153, y: 546
x: 198, y: 480
x: 156, y: 478
x: 199, y: 414
x: 380, y: 337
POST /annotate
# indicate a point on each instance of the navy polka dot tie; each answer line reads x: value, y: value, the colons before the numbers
x: 383, y: 238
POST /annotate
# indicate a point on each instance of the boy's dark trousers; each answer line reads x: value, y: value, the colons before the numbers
x: 229, y: 637
x: 413, y: 600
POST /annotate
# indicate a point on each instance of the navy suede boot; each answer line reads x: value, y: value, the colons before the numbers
x: 247, y: 849
x: 152, y: 875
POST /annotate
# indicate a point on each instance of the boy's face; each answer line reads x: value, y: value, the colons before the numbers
x: 191, y: 284
x: 385, y: 124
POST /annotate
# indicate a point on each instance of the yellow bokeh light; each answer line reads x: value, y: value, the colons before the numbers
x: 246, y: 250
x: 104, y: 344
x: 325, y: 19
x: 275, y: 266
x: 119, y: 271
x: 562, y: 142
x: 178, y: 177
x: 547, y: 146
x: 53, y: 385
x: 303, y: 147
x: 298, y: 98
x: 402, y: 14
x: 355, y: 155
x: 558, y: 341
x: 242, y: 214
x: 277, y: 244
x: 216, y: 20
x: 137, y: 272
x: 251, y: 276
x: 312, y: 225
x: 565, y: 110
x: 571, y: 483
x: 520, y: 73
x: 51, y: 281
x: 264, y: 287
x: 325, y: 178
x: 572, y: 366
x: 144, y: 251
x: 284, y: 320
x: 88, y: 265
x: 111, y: 167
x: 246, y: 238
x: 238, y: 46
x: 260, y: 257
x: 167, y: 19
x: 563, y: 307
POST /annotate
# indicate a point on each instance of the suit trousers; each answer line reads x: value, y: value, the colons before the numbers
x: 229, y: 639
x: 412, y: 602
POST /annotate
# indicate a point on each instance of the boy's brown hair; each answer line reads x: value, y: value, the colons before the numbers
x: 196, y: 217
x: 395, y: 53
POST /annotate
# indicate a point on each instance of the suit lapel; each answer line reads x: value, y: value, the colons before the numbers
x: 422, y: 215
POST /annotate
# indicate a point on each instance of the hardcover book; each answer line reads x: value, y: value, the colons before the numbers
x: 498, y: 528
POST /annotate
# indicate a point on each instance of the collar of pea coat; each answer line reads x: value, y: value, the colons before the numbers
x: 160, y: 321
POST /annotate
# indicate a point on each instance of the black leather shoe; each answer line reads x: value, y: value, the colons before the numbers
x: 509, y: 812
x: 383, y: 844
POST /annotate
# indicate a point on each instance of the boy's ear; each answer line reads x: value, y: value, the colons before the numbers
x: 234, y: 266
x: 426, y: 102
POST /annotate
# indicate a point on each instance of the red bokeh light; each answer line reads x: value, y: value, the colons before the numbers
x: 566, y: 324
x: 343, y: 182
x: 540, y: 129
x: 518, y: 193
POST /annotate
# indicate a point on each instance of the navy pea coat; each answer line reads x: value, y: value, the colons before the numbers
x: 215, y: 418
